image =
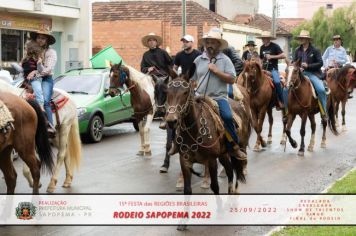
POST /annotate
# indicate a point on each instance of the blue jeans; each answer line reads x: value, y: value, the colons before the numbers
x: 230, y: 92
x: 226, y: 116
x: 277, y: 84
x: 43, y: 89
x: 319, y: 88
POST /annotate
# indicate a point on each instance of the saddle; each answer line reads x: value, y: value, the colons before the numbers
x: 6, y: 119
x: 313, y: 89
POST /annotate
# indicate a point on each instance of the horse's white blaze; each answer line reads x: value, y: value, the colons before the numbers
x: 290, y: 71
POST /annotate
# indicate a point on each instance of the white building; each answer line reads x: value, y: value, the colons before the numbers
x: 68, y: 20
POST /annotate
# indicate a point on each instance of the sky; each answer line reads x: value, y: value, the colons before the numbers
x: 287, y: 8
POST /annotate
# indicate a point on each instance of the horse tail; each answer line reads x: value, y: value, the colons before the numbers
x: 43, y: 146
x: 74, y: 145
x: 331, y: 114
x: 238, y: 166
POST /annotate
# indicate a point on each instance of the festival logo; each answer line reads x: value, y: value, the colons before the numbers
x: 25, y: 211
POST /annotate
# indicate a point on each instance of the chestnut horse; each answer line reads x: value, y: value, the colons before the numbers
x: 25, y: 132
x: 302, y: 101
x: 200, y: 135
x: 339, y: 82
x: 262, y: 98
x: 141, y: 87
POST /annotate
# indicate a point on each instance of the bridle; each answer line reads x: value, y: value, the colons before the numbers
x: 181, y: 109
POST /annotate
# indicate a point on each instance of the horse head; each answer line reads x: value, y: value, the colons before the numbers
x: 179, y: 95
x: 118, y: 76
x: 253, y: 73
x: 295, y: 75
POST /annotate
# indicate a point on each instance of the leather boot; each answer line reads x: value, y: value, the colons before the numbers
x: 163, y: 125
x: 173, y: 150
x: 50, y: 128
x: 236, y: 151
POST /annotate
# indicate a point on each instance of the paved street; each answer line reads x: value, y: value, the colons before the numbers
x: 113, y: 167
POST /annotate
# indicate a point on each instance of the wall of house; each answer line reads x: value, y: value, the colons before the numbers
x: 126, y: 38
x: 306, y: 9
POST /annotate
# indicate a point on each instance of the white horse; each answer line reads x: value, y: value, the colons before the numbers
x: 67, y: 139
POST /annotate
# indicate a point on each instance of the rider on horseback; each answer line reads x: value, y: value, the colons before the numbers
x: 214, y: 71
x: 155, y: 61
x: 311, y: 62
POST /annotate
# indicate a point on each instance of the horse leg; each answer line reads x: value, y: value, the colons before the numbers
x: 33, y: 163
x: 225, y: 161
x: 255, y: 124
x: 213, y: 170
x: 62, y: 154
x: 180, y: 182
x: 343, y: 112
x: 337, y: 114
x: 302, y: 134
x: 27, y: 174
x: 187, y: 175
x: 284, y: 136
x: 205, y: 183
x: 323, y: 140
x: 147, y: 150
x: 313, y: 128
x: 169, y: 142
x: 288, y: 133
x: 8, y: 170
x: 270, y: 121
x: 141, y: 152
x: 261, y: 120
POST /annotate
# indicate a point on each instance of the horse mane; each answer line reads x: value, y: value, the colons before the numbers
x: 342, y: 72
x: 143, y: 80
x: 260, y: 73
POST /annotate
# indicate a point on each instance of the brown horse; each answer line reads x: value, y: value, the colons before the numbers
x: 200, y: 133
x: 26, y: 134
x: 302, y: 101
x: 339, y: 82
x: 262, y: 98
x: 141, y: 88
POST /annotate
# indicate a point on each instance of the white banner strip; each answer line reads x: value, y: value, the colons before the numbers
x: 177, y: 209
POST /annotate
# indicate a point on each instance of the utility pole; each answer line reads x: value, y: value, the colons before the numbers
x: 274, y: 17
x: 184, y: 17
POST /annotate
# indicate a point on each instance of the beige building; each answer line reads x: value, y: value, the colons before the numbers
x: 68, y: 20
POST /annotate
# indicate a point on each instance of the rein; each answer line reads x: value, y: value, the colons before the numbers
x: 294, y: 89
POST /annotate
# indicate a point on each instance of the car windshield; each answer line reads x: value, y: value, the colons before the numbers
x: 80, y: 84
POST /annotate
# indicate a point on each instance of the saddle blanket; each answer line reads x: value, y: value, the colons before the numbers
x: 5, y: 115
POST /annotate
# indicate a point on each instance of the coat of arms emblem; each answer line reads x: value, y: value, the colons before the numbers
x: 25, y: 211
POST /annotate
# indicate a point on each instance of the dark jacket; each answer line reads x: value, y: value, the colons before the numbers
x: 235, y: 58
x: 158, y: 58
x: 312, y: 57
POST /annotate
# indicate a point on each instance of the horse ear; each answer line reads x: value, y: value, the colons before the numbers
x: 111, y: 65
x: 172, y: 73
x: 120, y: 63
x: 298, y: 63
x: 190, y: 72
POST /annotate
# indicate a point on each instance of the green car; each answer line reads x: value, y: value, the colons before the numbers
x: 96, y: 108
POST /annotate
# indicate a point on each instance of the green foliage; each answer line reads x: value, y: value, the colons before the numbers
x: 324, y: 25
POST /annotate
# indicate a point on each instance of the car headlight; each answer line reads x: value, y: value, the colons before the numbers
x: 81, y: 111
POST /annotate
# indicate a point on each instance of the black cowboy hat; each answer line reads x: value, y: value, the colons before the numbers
x: 50, y: 38
x: 251, y: 42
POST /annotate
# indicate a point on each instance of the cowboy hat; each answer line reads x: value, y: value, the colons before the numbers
x: 145, y: 39
x: 251, y: 42
x: 266, y: 35
x: 213, y: 34
x: 50, y: 38
x: 337, y: 37
x: 304, y: 34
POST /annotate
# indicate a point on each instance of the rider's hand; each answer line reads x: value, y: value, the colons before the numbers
x: 268, y: 56
x: 39, y: 60
x: 150, y: 69
x: 31, y: 75
x: 304, y: 65
x: 213, y: 68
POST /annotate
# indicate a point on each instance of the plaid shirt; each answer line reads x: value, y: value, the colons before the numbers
x: 49, y: 63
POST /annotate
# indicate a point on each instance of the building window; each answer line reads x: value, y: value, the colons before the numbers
x: 329, y: 6
x: 212, y: 5
x: 12, y: 46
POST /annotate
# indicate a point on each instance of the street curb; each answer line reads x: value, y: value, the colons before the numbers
x: 279, y: 228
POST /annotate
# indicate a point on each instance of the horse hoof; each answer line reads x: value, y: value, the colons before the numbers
x: 294, y: 144
x: 301, y: 153
x: 149, y: 153
x: 66, y: 185
x: 263, y: 144
x: 50, y: 189
x: 205, y: 185
x: 269, y: 142
x: 310, y: 149
x: 283, y: 142
x: 344, y: 129
x: 323, y: 145
x: 257, y: 148
x: 140, y: 153
x: 182, y: 227
x: 163, y: 169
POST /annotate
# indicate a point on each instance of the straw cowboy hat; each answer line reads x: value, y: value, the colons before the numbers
x: 251, y: 42
x: 145, y: 39
x: 304, y: 34
x: 214, y: 34
x: 337, y: 37
x: 50, y: 38
x: 266, y: 35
